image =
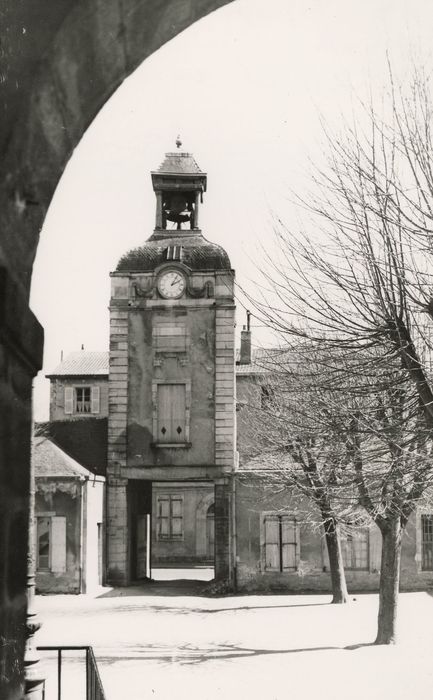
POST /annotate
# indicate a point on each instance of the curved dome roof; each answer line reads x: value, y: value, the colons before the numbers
x: 198, y: 253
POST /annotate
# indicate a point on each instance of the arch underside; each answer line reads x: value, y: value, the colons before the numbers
x: 61, y: 61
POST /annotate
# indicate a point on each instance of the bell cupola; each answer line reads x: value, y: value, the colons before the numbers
x: 179, y: 185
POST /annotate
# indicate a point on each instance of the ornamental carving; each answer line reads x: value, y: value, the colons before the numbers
x: 143, y: 291
x: 206, y: 290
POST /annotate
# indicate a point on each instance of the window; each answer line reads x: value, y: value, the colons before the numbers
x: 174, y: 252
x: 427, y: 542
x: 169, y: 337
x: 170, y: 517
x: 43, y: 543
x: 171, y: 413
x: 354, y: 549
x: 51, y: 543
x: 82, y: 399
x: 281, y: 543
x: 266, y: 396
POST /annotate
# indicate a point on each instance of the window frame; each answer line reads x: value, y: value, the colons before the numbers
x: 350, y: 536
x: 171, y: 536
x: 57, y: 543
x: 70, y: 399
x: 39, y: 518
x: 280, y: 518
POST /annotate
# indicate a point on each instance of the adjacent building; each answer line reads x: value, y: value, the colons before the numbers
x: 69, y: 510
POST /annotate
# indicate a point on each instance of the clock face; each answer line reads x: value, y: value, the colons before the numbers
x: 171, y: 284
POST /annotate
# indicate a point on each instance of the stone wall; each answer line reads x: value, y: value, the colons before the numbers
x: 312, y: 572
x: 57, y: 397
x: 61, y: 497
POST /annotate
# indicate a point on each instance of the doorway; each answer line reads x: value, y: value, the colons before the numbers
x: 183, y: 533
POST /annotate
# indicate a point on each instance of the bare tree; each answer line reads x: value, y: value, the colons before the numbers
x: 358, y: 282
x: 301, y: 447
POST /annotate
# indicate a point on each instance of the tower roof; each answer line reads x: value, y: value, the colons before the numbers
x: 197, y: 253
x: 179, y: 163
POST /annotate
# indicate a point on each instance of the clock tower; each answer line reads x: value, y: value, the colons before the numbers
x: 171, y: 385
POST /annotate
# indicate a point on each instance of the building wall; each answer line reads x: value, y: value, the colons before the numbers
x: 93, y: 553
x: 61, y: 497
x: 195, y: 366
x: 191, y: 549
x: 57, y: 397
x: 312, y: 572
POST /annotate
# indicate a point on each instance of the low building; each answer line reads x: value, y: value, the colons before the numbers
x: 69, y: 508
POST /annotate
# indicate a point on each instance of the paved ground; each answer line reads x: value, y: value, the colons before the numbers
x: 154, y: 643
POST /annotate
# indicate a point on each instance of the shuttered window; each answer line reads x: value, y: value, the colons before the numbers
x: 170, y: 517
x: 171, y: 411
x: 82, y: 399
x: 51, y: 544
x: 281, y: 543
x: 354, y: 549
x: 427, y: 542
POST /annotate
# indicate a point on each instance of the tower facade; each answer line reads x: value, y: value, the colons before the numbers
x: 171, y: 379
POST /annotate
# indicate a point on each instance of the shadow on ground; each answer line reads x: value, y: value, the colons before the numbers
x: 177, y: 587
x: 189, y: 655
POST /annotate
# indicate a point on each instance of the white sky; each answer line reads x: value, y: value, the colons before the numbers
x: 244, y: 88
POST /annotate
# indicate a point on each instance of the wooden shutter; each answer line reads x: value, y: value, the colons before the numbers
x: 289, y: 543
x: 176, y: 517
x: 171, y: 413
x: 95, y: 399
x: 272, y: 543
x: 69, y: 399
x: 164, y: 517
x: 58, y: 544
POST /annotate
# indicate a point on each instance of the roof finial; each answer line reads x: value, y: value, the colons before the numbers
x: 178, y: 141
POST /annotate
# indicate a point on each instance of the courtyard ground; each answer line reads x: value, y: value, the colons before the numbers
x: 163, y: 642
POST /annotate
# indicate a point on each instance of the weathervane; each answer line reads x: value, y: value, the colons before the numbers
x: 178, y: 141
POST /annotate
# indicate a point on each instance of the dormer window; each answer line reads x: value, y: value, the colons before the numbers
x: 174, y: 252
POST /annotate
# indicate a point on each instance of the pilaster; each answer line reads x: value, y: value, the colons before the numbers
x: 224, y: 386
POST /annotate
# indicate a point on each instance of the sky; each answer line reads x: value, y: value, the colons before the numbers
x: 247, y: 88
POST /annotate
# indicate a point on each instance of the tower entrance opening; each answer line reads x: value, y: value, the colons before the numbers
x: 172, y: 530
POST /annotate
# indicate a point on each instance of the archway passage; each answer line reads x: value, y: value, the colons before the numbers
x: 61, y: 63
x: 171, y: 531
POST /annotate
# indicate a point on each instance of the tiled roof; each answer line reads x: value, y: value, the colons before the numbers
x: 197, y: 253
x: 263, y: 361
x: 50, y: 460
x: 82, y: 363
x: 84, y: 441
x: 179, y: 164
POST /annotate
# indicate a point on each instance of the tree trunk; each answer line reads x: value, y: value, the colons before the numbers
x: 338, y: 578
x: 389, y: 581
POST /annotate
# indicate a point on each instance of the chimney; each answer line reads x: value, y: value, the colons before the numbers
x: 245, y: 354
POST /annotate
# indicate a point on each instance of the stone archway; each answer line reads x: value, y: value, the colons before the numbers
x: 60, y: 63
x: 200, y: 519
